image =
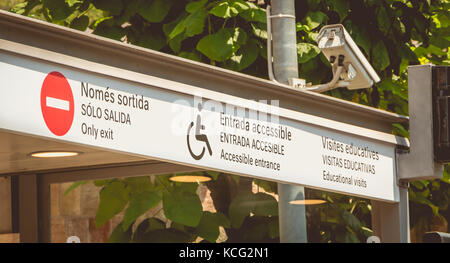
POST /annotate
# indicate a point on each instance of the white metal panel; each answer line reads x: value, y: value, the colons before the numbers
x: 159, y: 132
x: 419, y: 162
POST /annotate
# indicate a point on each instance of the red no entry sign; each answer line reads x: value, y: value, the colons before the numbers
x: 57, y: 104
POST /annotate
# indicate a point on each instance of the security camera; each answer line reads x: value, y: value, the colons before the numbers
x: 350, y: 68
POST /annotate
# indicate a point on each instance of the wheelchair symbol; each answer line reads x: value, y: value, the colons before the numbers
x: 198, y: 136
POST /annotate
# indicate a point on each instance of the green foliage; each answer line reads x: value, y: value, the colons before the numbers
x: 253, y: 13
x: 430, y: 200
x: 218, y: 46
x: 112, y: 7
x: 80, y: 23
x: 154, y: 11
x: 139, y: 204
x: 245, y: 203
x: 341, y: 7
x: 341, y: 219
x: 224, y: 10
x: 208, y: 228
x: 74, y: 186
x: 306, y: 52
x: 113, y: 199
x: 314, y: 19
x: 244, y: 57
x: 182, y: 206
x: 380, y: 56
x: 119, y: 235
x: 231, y: 33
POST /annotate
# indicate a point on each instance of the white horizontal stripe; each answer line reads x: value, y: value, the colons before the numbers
x: 57, y: 103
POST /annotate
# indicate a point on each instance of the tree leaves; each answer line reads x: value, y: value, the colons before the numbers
x: 308, y: 70
x: 245, y: 203
x: 155, y: 11
x: 214, y: 175
x: 191, y: 24
x: 240, y: 208
x: 259, y: 29
x: 398, y: 129
x: 80, y: 23
x: 105, y: 27
x: 139, y: 204
x: 396, y: 88
x: 265, y: 205
x: 315, y: 19
x: 274, y: 229
x: 446, y: 176
x: 351, y: 220
x: 153, y: 230
x: 227, y: 9
x: 194, y: 6
x: 243, y: 57
x: 190, y: 55
x: 24, y: 8
x: 113, y: 7
x: 208, y: 228
x: 113, y: 199
x: 119, y: 235
x: 140, y: 184
x: 260, y: 229
x: 361, y: 37
x: 182, y: 207
x: 58, y: 10
x: 224, y: 45
x: 241, y: 5
x: 195, y: 22
x: 306, y: 52
x: 380, y: 55
x: 423, y: 197
x: 341, y: 7
x: 147, y: 225
x: 218, y: 46
x: 174, y: 28
x: 224, y: 10
x: 239, y: 37
x: 74, y: 186
x: 254, y: 13
x: 384, y: 21
x: 113, y: 32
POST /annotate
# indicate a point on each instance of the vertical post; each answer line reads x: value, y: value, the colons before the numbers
x: 6, y: 224
x: 292, y: 218
x: 419, y: 163
x: 390, y: 222
x: 28, y: 208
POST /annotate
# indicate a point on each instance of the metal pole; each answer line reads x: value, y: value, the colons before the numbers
x: 292, y: 218
x: 284, y: 39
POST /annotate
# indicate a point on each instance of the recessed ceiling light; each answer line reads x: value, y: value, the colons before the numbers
x: 307, y: 202
x: 190, y: 178
x: 54, y: 154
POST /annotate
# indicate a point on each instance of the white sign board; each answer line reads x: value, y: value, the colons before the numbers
x: 76, y: 106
